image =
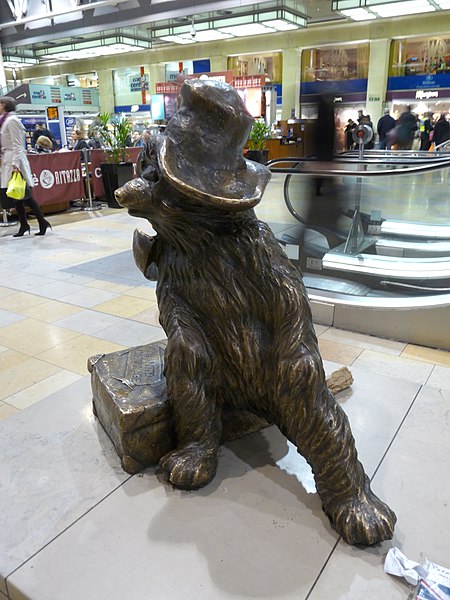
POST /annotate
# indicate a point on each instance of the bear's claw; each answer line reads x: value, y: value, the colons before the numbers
x: 363, y: 519
x: 190, y: 467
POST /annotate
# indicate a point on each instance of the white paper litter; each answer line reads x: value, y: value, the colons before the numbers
x: 397, y: 564
x: 432, y: 580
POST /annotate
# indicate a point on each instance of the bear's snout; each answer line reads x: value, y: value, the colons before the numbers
x: 135, y: 195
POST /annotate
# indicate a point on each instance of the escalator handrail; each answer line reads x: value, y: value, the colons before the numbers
x: 442, y: 145
x: 323, y: 168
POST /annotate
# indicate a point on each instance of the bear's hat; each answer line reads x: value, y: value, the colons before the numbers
x: 200, y: 153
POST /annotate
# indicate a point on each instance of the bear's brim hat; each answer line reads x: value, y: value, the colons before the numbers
x: 201, y: 151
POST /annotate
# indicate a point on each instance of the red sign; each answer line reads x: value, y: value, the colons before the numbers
x: 57, y: 177
x: 97, y: 158
x: 167, y: 88
x: 252, y: 81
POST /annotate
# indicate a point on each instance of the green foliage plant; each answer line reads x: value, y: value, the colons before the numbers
x: 258, y: 136
x: 114, y: 134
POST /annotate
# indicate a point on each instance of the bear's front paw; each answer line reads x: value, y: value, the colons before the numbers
x: 363, y: 519
x: 190, y: 467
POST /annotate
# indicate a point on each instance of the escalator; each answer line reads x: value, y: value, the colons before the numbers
x: 376, y: 238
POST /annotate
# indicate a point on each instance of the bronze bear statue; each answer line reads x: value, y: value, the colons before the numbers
x: 235, y: 310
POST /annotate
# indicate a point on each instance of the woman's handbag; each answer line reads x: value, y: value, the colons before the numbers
x: 16, y: 186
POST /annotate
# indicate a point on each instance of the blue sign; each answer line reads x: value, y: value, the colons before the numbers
x: 128, y: 108
x: 418, y: 82
x: 337, y: 88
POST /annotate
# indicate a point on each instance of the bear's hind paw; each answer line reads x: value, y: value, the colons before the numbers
x: 364, y: 519
x: 190, y: 467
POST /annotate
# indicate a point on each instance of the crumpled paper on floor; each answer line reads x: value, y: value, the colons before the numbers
x: 432, y: 580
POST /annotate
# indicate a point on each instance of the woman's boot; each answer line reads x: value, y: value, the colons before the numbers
x: 24, y: 227
x: 43, y: 224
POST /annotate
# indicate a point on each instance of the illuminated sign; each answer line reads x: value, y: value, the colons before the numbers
x: 426, y: 94
x: 52, y: 113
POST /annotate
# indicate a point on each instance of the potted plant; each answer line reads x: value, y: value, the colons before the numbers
x: 256, y: 144
x: 114, y: 133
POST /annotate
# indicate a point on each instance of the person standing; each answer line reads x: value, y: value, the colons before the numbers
x: 79, y: 141
x: 366, y: 120
x: 441, y: 130
x: 136, y: 139
x: 407, y: 126
x: 385, y: 124
x: 425, y: 130
x: 43, y: 145
x: 348, y: 130
x: 14, y: 159
x: 41, y: 129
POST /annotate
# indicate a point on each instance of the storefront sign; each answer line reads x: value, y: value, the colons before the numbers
x: 416, y: 82
x: 139, y: 83
x: 426, y: 94
x: 337, y: 88
x: 57, y: 177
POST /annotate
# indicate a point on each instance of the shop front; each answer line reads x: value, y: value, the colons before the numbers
x: 419, y: 76
x: 337, y: 72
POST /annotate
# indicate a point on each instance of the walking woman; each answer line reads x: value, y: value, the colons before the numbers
x: 13, y: 159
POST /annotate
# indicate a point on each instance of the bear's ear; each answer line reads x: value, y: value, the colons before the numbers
x: 144, y: 252
x: 147, y: 163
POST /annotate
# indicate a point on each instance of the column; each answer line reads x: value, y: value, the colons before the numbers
x: 106, y: 90
x: 291, y: 83
x: 218, y: 63
x: 157, y: 75
x: 377, y: 78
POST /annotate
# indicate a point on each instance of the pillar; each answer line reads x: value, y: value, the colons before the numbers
x: 291, y: 83
x: 157, y: 75
x: 218, y: 63
x: 377, y: 78
x: 106, y: 91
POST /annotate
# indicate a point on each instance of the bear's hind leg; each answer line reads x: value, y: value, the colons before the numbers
x: 318, y: 426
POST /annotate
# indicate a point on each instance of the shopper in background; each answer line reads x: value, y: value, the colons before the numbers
x: 93, y: 140
x: 325, y: 202
x: 43, y: 145
x: 407, y: 127
x: 146, y: 135
x: 425, y: 132
x: 41, y: 129
x: 366, y: 120
x: 441, y: 130
x: 79, y: 141
x: 136, y: 138
x: 14, y: 159
x: 348, y: 130
x: 324, y: 136
x: 385, y: 124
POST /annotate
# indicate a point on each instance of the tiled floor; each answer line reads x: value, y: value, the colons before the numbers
x: 62, y: 301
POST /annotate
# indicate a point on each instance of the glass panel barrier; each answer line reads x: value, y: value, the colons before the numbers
x: 375, y: 227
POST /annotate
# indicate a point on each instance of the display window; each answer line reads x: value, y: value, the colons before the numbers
x: 335, y: 63
x: 130, y: 84
x: 420, y: 56
x: 247, y: 65
x: 419, y: 76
